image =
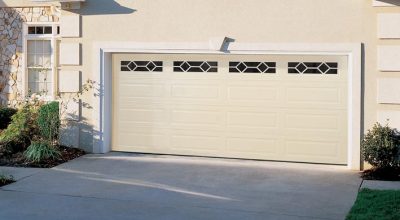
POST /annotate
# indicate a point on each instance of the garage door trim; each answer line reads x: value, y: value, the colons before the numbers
x: 103, y: 65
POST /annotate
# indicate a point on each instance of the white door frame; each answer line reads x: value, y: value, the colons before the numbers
x: 102, y: 67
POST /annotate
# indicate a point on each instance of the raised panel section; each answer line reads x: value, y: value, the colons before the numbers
x: 70, y: 26
x: 195, y: 92
x: 70, y: 54
x: 312, y: 121
x: 252, y: 93
x: 311, y: 148
x: 389, y: 91
x: 388, y: 58
x: 69, y: 81
x: 388, y: 25
x: 252, y: 119
x: 195, y: 117
x: 246, y: 145
x: 313, y: 95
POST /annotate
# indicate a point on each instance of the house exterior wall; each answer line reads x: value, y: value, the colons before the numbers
x: 252, y: 21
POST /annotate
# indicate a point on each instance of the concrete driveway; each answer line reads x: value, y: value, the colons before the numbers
x: 133, y: 186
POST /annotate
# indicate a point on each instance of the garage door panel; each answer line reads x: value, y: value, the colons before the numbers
x: 194, y: 92
x: 142, y: 90
x: 195, y: 117
x: 156, y: 116
x: 252, y: 119
x: 259, y: 146
x: 273, y: 115
x: 255, y: 93
x: 200, y: 143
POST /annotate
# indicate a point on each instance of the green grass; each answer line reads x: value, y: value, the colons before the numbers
x: 376, y: 204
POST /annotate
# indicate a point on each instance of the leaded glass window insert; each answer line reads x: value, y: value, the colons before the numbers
x: 252, y: 67
x: 313, y: 68
x: 196, y: 66
x: 142, y: 66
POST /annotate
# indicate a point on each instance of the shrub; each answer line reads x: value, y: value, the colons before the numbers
x: 48, y: 121
x: 5, y: 116
x: 380, y: 147
x: 39, y: 151
x: 17, y: 135
x: 4, y: 180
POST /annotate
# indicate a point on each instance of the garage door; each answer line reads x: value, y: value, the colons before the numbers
x: 269, y: 107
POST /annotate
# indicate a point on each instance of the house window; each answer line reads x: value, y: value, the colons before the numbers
x: 40, y: 38
x: 39, y: 66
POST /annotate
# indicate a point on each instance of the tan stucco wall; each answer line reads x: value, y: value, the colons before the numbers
x: 251, y: 21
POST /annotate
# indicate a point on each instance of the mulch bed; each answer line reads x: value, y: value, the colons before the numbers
x: 18, y: 160
x: 382, y: 174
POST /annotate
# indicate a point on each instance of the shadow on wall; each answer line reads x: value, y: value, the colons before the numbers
x: 393, y: 2
x: 104, y: 7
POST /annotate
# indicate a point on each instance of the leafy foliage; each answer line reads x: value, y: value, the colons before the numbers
x: 17, y: 135
x: 40, y: 151
x: 5, y: 116
x: 4, y: 180
x: 381, y: 147
x: 48, y: 121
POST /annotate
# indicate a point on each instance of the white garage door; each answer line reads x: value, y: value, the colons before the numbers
x: 270, y: 107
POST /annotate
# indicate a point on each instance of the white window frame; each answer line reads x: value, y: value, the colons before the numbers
x: 53, y: 43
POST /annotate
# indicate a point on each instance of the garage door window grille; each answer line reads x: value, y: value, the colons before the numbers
x: 196, y: 66
x: 313, y: 68
x: 252, y: 67
x: 142, y: 66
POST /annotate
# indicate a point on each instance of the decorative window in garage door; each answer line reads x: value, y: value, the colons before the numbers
x: 196, y: 66
x: 142, y: 66
x: 313, y: 68
x: 252, y: 67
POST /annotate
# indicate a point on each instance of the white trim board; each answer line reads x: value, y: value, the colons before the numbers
x: 102, y: 66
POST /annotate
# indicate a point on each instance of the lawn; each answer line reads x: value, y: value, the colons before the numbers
x: 376, y: 204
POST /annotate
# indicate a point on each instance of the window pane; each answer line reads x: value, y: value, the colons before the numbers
x: 31, y: 30
x: 39, y: 30
x: 31, y: 60
x: 33, y: 87
x: 31, y: 46
x: 46, y: 47
x: 39, y: 60
x: 33, y: 75
x: 39, y: 81
x: 46, y: 60
x: 48, y: 30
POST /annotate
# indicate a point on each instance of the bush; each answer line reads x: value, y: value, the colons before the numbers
x: 48, y: 121
x: 5, y: 117
x: 5, y: 180
x: 380, y: 147
x: 40, y: 151
x: 17, y: 135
